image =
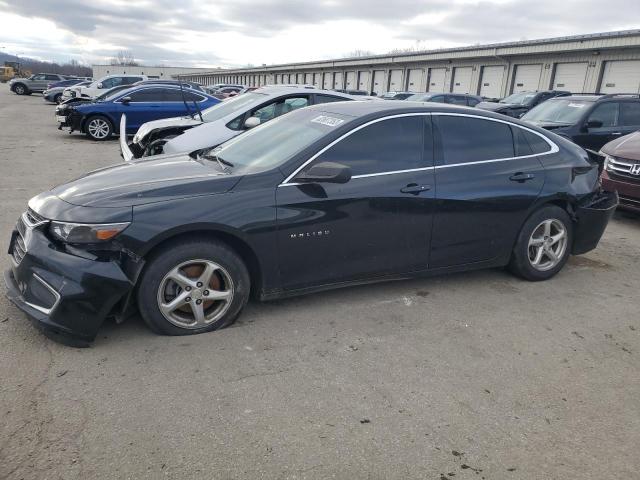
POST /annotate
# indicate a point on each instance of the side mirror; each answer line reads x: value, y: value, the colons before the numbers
x: 252, y: 122
x: 99, y: 85
x: 594, y: 124
x: 325, y: 172
x: 125, y: 100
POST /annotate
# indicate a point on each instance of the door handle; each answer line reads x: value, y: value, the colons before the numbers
x: 415, y: 189
x: 616, y: 134
x: 521, y: 177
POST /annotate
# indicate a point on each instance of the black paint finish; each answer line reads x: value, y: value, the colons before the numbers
x: 297, y: 238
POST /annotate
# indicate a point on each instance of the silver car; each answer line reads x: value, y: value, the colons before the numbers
x: 225, y: 120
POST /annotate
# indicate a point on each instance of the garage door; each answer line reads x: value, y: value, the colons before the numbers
x: 350, y: 81
x: 378, y: 82
x: 437, y: 80
x: 462, y: 79
x: 415, y: 83
x: 328, y: 80
x: 570, y: 76
x: 491, y: 81
x: 317, y: 80
x: 621, y: 77
x: 527, y: 78
x: 395, y: 81
x: 337, y: 80
x: 363, y: 81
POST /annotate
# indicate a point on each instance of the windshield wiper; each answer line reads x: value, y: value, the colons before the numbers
x: 224, y: 164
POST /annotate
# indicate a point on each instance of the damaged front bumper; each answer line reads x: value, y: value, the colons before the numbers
x: 591, y: 219
x: 67, y: 295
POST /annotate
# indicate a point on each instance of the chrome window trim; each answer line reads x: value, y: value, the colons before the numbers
x: 286, y: 181
x: 554, y: 148
x: 46, y: 311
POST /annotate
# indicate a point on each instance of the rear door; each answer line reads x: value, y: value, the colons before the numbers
x: 379, y: 222
x: 486, y: 183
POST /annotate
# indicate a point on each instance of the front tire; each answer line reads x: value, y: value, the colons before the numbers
x: 543, y: 245
x: 98, y: 128
x: 20, y: 89
x: 193, y: 287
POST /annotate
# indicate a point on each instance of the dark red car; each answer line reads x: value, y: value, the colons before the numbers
x: 622, y: 170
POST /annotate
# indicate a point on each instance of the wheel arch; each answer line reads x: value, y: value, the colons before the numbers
x: 87, y: 116
x: 231, y: 238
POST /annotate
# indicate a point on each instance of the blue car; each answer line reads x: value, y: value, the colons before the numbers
x: 100, y: 120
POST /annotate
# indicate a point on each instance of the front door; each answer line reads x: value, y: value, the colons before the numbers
x: 377, y: 223
x: 604, y: 120
x: 487, y: 178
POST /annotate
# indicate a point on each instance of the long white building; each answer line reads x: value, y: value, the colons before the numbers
x: 600, y: 62
x: 152, y: 72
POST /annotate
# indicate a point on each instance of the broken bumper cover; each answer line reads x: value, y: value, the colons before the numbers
x: 69, y: 296
x: 591, y: 221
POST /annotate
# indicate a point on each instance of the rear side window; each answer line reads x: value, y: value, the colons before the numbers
x: 630, y: 113
x: 385, y: 146
x: 457, y: 100
x: 328, y: 99
x: 527, y: 143
x: 467, y: 139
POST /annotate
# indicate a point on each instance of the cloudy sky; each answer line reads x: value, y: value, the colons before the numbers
x: 239, y: 32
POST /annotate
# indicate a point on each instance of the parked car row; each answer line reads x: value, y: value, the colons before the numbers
x: 287, y: 190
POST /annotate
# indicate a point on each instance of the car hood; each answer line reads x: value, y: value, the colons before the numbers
x: 203, y: 136
x: 627, y: 147
x: 172, y: 122
x: 146, y: 181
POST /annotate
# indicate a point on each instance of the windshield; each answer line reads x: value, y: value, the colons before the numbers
x: 521, y: 98
x: 236, y: 104
x: 274, y: 143
x: 111, y: 94
x: 557, y: 111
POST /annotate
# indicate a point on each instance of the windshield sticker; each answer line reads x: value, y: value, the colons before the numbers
x: 576, y: 105
x: 329, y: 121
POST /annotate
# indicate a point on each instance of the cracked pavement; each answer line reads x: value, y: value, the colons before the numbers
x: 469, y: 376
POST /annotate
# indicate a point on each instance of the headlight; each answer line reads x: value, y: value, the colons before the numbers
x: 86, y: 232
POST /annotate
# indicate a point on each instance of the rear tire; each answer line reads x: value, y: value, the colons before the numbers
x: 192, y: 287
x: 543, y: 245
x: 98, y: 128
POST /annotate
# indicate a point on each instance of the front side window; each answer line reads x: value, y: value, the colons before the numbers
x: 522, y: 98
x: 38, y: 77
x: 607, y: 114
x: 279, y: 107
x: 467, y: 139
x: 630, y: 114
x: 111, y: 82
x: 385, y: 146
x: 148, y: 95
x: 130, y: 80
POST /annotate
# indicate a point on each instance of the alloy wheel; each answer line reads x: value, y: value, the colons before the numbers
x: 195, y: 294
x: 19, y: 89
x: 547, y: 244
x: 98, y: 128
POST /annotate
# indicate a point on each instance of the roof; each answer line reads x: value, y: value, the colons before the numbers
x: 584, y: 41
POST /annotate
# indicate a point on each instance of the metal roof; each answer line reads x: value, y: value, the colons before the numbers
x: 590, y: 39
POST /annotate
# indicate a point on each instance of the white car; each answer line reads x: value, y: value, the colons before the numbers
x: 98, y: 87
x: 225, y: 120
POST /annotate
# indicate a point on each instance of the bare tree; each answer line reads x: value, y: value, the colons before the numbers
x: 359, y: 53
x: 124, y: 58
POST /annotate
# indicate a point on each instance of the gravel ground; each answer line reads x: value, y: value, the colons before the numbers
x: 469, y: 376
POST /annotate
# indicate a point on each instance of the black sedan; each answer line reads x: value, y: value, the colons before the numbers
x: 327, y: 196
